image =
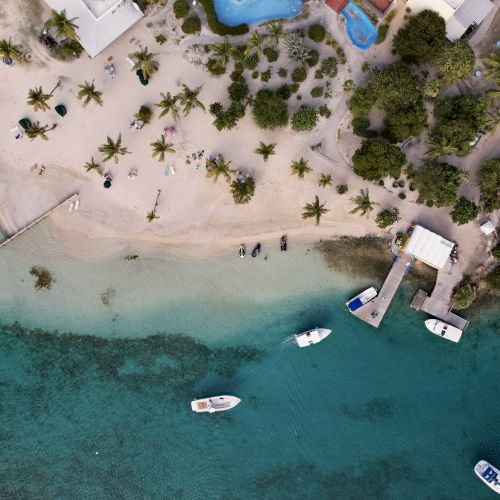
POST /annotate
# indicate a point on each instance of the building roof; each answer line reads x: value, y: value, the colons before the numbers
x: 337, y: 5
x: 381, y: 5
x: 488, y: 228
x: 100, y: 22
x: 429, y: 247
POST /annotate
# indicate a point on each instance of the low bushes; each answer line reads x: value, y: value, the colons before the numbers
x: 191, y: 25
x: 305, y: 119
x: 181, y: 8
x: 271, y: 54
x: 316, y: 33
x: 361, y: 127
x: 299, y: 74
x: 269, y: 109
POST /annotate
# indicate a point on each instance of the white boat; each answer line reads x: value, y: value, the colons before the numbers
x: 215, y: 403
x: 361, y: 299
x: 311, y: 337
x: 488, y: 474
x: 443, y: 329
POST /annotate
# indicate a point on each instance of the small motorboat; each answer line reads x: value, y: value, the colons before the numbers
x: 214, y: 404
x: 443, y: 329
x: 361, y: 299
x: 283, y: 243
x: 489, y: 474
x: 310, y: 337
x: 256, y: 250
x: 242, y: 250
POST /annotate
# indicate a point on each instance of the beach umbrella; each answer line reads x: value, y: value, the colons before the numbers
x: 107, y: 184
x: 60, y: 109
x: 169, y: 132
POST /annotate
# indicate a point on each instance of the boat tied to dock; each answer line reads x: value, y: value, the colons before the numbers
x: 361, y: 299
x: 442, y: 329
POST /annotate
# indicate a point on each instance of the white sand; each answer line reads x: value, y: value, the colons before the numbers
x: 197, y: 217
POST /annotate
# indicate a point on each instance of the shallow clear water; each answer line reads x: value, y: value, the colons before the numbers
x: 387, y: 413
x: 360, y: 30
x: 236, y: 12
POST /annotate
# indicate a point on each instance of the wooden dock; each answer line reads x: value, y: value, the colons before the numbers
x: 373, y: 312
x: 69, y: 199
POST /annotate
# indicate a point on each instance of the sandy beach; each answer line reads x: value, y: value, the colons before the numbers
x: 197, y: 217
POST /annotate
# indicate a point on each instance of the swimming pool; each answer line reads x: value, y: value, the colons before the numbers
x: 359, y: 28
x: 236, y: 12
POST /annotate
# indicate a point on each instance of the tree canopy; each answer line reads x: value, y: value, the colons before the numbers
x: 464, y: 211
x: 305, y: 119
x: 489, y: 182
x: 422, y: 38
x: 438, y: 183
x: 269, y: 110
x: 243, y: 190
x: 376, y: 159
x: 455, y: 61
x: 405, y: 122
x: 387, y: 218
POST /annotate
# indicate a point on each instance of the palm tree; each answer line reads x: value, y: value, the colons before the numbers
x: 92, y: 165
x: 36, y: 130
x: 254, y: 42
x: 38, y: 99
x: 494, y: 93
x: 223, y: 51
x: 266, y: 150
x: 150, y: 216
x: 144, y: 115
x: 63, y: 26
x: 300, y: 168
x: 276, y: 32
x: 492, y: 116
x: 9, y: 51
x: 189, y: 99
x: 144, y: 60
x: 441, y: 147
x: 315, y: 210
x: 363, y: 203
x: 168, y: 104
x: 88, y: 93
x: 325, y: 180
x: 296, y: 51
x: 160, y: 147
x: 219, y: 167
x: 493, y: 70
x: 113, y: 149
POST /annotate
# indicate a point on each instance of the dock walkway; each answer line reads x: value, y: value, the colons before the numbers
x: 39, y: 219
x: 373, y: 312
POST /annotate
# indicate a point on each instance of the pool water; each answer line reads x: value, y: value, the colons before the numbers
x: 236, y: 12
x: 359, y: 28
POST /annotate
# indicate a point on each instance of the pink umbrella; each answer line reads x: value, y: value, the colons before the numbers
x: 169, y: 132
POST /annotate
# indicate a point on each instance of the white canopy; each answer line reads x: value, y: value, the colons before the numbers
x: 100, y: 22
x: 429, y: 247
x: 487, y: 228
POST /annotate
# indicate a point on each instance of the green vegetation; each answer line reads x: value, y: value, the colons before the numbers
x: 113, y: 149
x: 300, y: 168
x: 9, y: 51
x: 92, y: 165
x: 362, y: 203
x: 493, y: 69
x: 317, y: 92
x: 191, y: 25
x: 325, y: 180
x: 405, y: 122
x: 455, y: 61
x: 64, y: 27
x: 313, y: 58
x: 459, y: 119
x: 422, y: 38
x: 295, y: 49
x: 227, y: 118
x: 243, y: 190
x: 316, y: 33
x: 383, y: 29
x: 361, y: 127
x: 314, y: 210
x: 43, y: 277
x: 181, y: 9
x: 160, y: 39
x: 305, y: 119
x: 36, y: 130
x: 463, y: 297
x: 89, y: 93
x: 438, y: 183
x: 217, y: 27
x: 282, y: 72
x: 144, y: 115
x: 266, y: 150
x: 144, y: 61
x: 38, y: 99
x: 269, y: 110
x: 464, y: 211
x: 160, y: 147
x: 387, y: 218
x: 188, y: 98
x: 493, y: 279
x: 328, y: 67
x: 432, y: 88
x: 489, y: 182
x: 376, y: 159
x: 271, y: 54
x: 150, y: 216
x: 217, y: 167
x: 251, y: 61
x: 168, y: 104
x: 215, y: 67
x: 496, y: 252
x: 238, y: 91
x: 342, y: 189
x: 299, y: 74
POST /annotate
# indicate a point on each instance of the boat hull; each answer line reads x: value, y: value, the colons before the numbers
x: 310, y: 337
x: 214, y: 404
x: 488, y: 474
x: 361, y: 299
x: 444, y: 330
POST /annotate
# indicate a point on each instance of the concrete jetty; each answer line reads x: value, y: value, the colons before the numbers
x: 67, y: 200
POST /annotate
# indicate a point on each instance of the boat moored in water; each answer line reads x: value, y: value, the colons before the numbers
x: 310, y: 337
x: 361, y: 299
x: 214, y: 404
x: 443, y: 329
x: 489, y: 474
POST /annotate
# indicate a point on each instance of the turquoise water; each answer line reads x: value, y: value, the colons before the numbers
x: 387, y: 413
x: 236, y: 12
x: 360, y: 30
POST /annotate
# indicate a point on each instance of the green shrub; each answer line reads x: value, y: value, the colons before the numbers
x: 271, y: 54
x: 313, y: 58
x: 217, y: 27
x: 387, y: 218
x: 215, y: 67
x: 361, y: 101
x: 239, y: 53
x: 349, y: 86
x: 493, y: 278
x: 342, y: 188
x: 243, y: 190
x: 329, y: 67
x: 181, y: 8
x: 251, y: 61
x: 324, y: 111
x: 255, y: 74
x: 463, y: 297
x: 361, y: 127
x: 227, y: 119
x: 455, y: 61
x: 464, y: 211
x: 282, y: 72
x: 299, y: 74
x: 402, y: 196
x: 496, y: 252
x: 238, y: 91
x: 265, y: 76
x: 489, y: 183
x: 318, y: 75
x: 390, y: 16
x: 305, y: 119
x: 365, y: 67
x: 161, y: 38
x: 316, y: 33
x: 383, y: 29
x: 269, y: 110
x: 191, y: 25
x: 317, y: 92
x: 237, y: 76
x: 285, y: 91
x: 294, y: 87
x: 376, y: 159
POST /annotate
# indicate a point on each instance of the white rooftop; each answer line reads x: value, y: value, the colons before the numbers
x: 429, y: 247
x: 487, y: 228
x: 100, y: 22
